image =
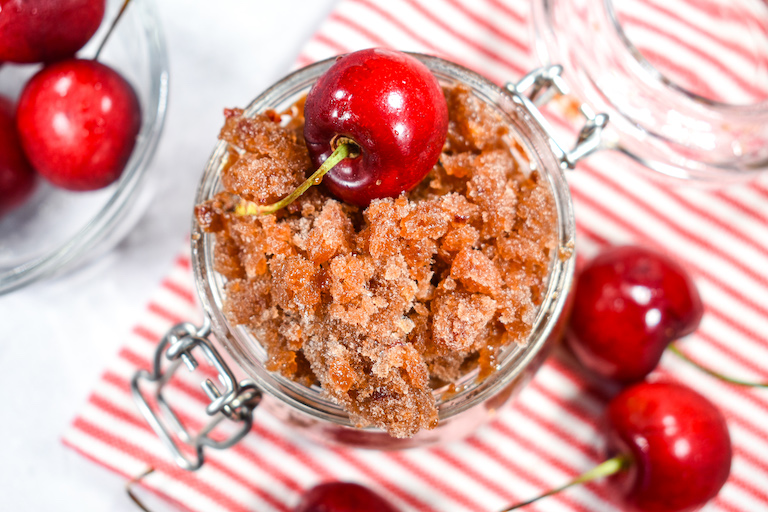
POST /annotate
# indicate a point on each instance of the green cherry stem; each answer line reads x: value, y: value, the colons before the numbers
x: 713, y: 373
x: 341, y: 152
x: 607, y: 468
x: 111, y: 28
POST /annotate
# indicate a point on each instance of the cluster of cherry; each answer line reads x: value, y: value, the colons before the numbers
x: 76, y: 120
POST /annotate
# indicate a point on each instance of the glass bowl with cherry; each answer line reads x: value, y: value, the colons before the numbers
x: 82, y: 105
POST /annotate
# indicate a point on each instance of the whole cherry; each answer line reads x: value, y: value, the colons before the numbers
x: 670, y: 447
x: 46, y: 30
x: 342, y: 497
x: 678, y: 443
x: 390, y: 108
x: 78, y: 121
x: 629, y: 304
x: 17, y: 179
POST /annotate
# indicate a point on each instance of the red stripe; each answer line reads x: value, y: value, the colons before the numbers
x: 514, y: 66
x: 350, y: 23
x: 680, y: 42
x: 685, y: 78
x: 179, y: 291
x: 119, y: 471
x: 161, y: 465
x: 729, y: 227
x: 516, y: 469
x: 183, y: 261
x: 376, y: 476
x: 503, y: 492
x: 744, y: 208
x: 490, y: 74
x: 703, y: 31
x: 145, y: 333
x: 212, y: 457
x: 483, y: 21
x: 321, y: 38
x: 521, y: 19
x: 434, y: 482
x: 164, y: 313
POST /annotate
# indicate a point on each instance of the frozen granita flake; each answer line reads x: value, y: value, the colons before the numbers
x: 380, y: 306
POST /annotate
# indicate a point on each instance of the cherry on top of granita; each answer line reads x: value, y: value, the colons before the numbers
x: 391, y: 110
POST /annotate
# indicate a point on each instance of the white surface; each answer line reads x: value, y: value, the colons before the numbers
x: 59, y: 335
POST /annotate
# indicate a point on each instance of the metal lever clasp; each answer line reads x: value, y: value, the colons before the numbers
x: 236, y: 401
x: 541, y: 85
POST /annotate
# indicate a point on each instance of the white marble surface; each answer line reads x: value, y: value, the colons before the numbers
x: 59, y: 335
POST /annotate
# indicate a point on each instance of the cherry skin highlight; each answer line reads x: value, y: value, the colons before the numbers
x: 342, y: 497
x: 78, y: 121
x: 391, y: 107
x: 46, y: 30
x: 679, y: 444
x: 17, y: 179
x: 629, y: 304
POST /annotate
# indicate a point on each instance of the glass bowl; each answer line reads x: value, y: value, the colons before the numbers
x: 474, y: 400
x: 56, y: 230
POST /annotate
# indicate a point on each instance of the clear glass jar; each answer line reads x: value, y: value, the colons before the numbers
x: 460, y: 412
x: 685, y: 84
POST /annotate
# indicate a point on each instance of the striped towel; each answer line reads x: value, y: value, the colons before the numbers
x: 550, y: 433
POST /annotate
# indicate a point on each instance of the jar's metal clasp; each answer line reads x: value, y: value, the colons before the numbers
x: 236, y: 402
x: 540, y: 86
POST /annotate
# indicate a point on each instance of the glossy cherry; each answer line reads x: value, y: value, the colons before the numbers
x: 390, y: 106
x: 342, y: 497
x: 46, y: 30
x: 17, y: 179
x: 678, y: 442
x: 78, y: 121
x: 669, y: 446
x: 629, y: 304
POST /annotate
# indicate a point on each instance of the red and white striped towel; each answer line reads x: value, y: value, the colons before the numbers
x: 549, y: 434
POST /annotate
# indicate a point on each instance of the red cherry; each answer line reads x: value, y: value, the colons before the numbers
x: 17, y: 179
x: 679, y: 445
x: 78, y: 121
x: 629, y: 304
x: 46, y: 30
x: 342, y: 497
x: 669, y: 446
x: 390, y: 106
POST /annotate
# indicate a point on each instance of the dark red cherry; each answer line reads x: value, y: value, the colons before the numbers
x: 46, y: 30
x: 78, y: 121
x: 342, y: 497
x: 679, y: 446
x: 392, y: 108
x: 629, y: 304
x: 17, y: 179
x: 669, y: 449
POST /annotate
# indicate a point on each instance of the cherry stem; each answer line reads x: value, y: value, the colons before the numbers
x: 111, y: 28
x: 135, y: 480
x: 341, y: 152
x: 713, y: 373
x: 607, y: 468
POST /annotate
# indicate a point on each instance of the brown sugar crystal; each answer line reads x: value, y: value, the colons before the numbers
x: 381, y: 305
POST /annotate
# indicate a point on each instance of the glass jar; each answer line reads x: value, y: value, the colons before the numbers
x: 685, y: 84
x: 472, y: 400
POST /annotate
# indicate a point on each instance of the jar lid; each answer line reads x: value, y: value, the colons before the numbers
x: 684, y: 82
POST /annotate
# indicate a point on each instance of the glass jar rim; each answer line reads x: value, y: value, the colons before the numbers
x: 470, y: 391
